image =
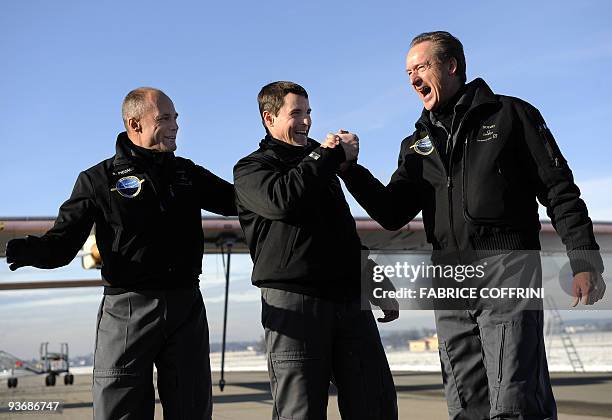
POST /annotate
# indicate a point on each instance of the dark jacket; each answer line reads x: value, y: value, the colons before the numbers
x: 483, y: 200
x: 146, y: 208
x: 301, y: 234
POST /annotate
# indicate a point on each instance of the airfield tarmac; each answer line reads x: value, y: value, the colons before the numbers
x: 586, y: 396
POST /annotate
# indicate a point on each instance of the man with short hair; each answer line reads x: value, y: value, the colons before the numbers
x: 307, y: 262
x: 474, y: 167
x: 145, y: 203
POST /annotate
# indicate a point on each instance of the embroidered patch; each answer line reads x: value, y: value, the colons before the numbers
x: 128, y: 186
x: 314, y: 155
x: 423, y: 146
x: 488, y: 133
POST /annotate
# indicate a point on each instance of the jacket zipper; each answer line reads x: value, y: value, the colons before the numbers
x: 551, y: 153
x: 450, y: 170
x: 449, y: 179
x: 449, y: 186
x: 500, y: 361
x: 161, y: 205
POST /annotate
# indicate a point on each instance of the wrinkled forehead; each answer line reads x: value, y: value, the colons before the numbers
x: 419, y: 54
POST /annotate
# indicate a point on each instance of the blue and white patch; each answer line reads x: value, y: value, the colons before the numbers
x: 423, y: 146
x: 128, y: 186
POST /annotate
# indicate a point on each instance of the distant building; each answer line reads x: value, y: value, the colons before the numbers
x: 424, y: 344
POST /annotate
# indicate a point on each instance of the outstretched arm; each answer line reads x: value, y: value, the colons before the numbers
x: 59, y: 245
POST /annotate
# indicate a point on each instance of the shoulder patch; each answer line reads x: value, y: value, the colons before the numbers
x: 424, y: 146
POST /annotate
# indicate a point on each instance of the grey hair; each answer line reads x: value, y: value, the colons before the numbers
x: 136, y: 103
x: 445, y: 46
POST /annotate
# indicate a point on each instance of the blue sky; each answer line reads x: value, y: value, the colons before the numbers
x: 68, y: 64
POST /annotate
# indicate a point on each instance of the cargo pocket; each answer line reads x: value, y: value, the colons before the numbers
x: 290, y: 384
x: 518, y: 369
x: 453, y: 398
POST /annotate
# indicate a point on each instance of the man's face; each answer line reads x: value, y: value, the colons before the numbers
x: 293, y: 122
x: 434, y: 82
x: 159, y: 125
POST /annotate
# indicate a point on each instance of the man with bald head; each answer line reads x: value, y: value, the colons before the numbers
x: 146, y: 205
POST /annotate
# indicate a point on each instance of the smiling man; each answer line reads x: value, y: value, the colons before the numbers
x: 307, y: 262
x: 146, y: 206
x: 475, y: 166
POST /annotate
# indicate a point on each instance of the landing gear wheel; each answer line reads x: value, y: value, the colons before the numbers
x: 50, y: 380
x: 12, y: 382
x: 68, y: 379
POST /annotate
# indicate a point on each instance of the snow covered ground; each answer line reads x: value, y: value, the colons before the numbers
x: 593, y: 348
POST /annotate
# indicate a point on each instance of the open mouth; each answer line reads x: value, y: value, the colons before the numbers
x: 301, y: 132
x: 424, y: 91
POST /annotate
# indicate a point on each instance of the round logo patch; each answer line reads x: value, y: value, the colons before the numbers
x: 423, y: 146
x: 128, y: 186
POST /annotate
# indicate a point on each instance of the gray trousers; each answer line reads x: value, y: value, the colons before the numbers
x: 493, y: 360
x: 135, y: 330
x: 310, y: 341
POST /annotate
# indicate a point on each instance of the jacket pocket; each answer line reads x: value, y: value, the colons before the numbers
x: 550, y: 145
x: 276, y: 247
x: 501, y: 338
x: 287, y: 247
x: 484, y: 186
x: 117, y: 239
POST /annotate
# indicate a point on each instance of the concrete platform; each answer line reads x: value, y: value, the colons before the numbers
x: 247, y: 396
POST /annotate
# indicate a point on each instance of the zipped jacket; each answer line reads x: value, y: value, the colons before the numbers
x: 482, y: 200
x: 301, y: 234
x: 146, y: 208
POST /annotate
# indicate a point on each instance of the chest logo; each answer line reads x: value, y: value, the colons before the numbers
x: 314, y: 155
x: 128, y: 186
x: 423, y: 146
x: 488, y: 133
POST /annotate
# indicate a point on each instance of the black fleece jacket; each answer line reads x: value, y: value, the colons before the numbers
x: 484, y: 200
x: 146, y: 208
x: 301, y: 234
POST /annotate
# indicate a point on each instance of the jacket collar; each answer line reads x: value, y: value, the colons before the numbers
x: 285, y: 151
x: 476, y: 94
x: 127, y: 153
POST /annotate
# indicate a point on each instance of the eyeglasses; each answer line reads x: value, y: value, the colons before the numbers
x: 420, y: 69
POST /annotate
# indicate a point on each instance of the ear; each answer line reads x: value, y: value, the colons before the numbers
x: 134, y: 125
x: 452, y: 66
x: 268, y: 118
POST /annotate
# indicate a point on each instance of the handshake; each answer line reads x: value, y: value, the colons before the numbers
x: 348, y: 141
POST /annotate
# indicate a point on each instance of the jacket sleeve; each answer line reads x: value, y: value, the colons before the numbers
x: 393, y: 205
x: 557, y: 192
x: 282, y: 195
x: 62, y: 242
x: 215, y: 194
